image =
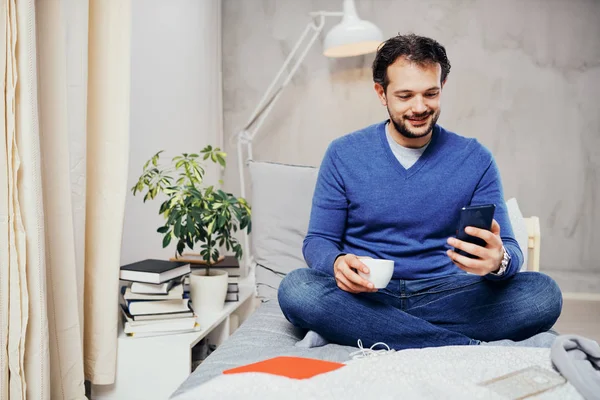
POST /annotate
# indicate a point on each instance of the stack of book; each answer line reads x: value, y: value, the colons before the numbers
x: 153, y: 302
x: 232, y: 266
x: 233, y: 289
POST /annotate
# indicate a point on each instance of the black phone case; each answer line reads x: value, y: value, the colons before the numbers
x: 478, y: 217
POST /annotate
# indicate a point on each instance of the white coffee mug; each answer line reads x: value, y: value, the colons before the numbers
x: 380, y: 271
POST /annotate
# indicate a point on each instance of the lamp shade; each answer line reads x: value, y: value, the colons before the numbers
x: 353, y: 36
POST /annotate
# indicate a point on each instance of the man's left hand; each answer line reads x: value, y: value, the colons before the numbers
x: 490, y: 256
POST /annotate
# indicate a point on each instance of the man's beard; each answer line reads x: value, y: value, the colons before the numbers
x: 403, y: 128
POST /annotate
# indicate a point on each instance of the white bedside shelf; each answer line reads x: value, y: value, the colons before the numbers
x: 154, y: 367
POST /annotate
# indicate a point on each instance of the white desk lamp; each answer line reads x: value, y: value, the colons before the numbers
x: 351, y: 37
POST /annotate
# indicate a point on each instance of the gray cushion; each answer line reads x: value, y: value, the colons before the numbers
x: 281, y: 202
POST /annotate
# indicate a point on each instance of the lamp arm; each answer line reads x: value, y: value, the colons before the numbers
x: 326, y: 14
x: 245, y: 136
x: 269, y: 106
x: 263, y: 103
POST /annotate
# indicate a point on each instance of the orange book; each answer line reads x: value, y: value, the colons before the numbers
x: 291, y: 367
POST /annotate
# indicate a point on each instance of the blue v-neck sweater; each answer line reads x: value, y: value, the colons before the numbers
x: 366, y: 203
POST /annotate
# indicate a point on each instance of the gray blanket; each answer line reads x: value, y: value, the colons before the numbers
x: 578, y: 360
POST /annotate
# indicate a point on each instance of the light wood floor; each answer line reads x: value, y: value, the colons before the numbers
x: 580, y: 316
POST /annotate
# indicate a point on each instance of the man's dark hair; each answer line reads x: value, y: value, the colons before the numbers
x: 418, y: 49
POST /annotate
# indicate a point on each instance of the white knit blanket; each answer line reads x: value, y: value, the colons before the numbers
x: 433, y: 373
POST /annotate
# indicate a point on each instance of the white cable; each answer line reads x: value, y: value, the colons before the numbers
x: 370, y: 352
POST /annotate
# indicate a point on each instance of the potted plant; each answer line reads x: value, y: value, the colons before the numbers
x: 195, y: 213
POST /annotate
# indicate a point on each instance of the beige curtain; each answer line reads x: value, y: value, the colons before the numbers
x: 107, y: 154
x: 15, y: 291
x: 41, y: 346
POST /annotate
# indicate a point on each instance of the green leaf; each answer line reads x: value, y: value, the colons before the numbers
x: 210, y: 227
x: 164, y: 207
x: 166, y: 240
x: 155, y: 158
x: 221, y: 220
x: 195, y: 192
x: 197, y: 175
x: 162, y: 229
x: 177, y: 229
x: 189, y: 223
x: 180, y: 247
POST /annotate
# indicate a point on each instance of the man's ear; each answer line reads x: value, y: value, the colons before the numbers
x: 380, y: 93
x: 444, y: 82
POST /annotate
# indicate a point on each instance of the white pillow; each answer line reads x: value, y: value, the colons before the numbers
x: 281, y: 203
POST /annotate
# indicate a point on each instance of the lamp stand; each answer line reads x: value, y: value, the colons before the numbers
x: 246, y: 135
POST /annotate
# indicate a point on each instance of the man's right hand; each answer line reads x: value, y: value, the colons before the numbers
x: 344, y: 271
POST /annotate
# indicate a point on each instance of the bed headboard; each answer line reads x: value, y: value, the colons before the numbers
x: 533, y: 243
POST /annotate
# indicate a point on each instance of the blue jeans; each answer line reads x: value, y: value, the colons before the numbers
x: 459, y: 309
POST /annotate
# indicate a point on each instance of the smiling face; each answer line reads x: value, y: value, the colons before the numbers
x: 412, y: 98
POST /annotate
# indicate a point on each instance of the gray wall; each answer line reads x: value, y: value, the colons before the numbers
x: 524, y: 81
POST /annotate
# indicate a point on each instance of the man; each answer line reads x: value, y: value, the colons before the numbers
x: 394, y: 190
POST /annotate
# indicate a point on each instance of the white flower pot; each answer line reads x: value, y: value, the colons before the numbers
x: 208, y: 292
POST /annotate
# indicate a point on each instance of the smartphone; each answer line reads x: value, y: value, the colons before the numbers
x: 478, y: 217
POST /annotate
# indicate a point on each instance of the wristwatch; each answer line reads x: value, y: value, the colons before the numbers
x: 503, y: 264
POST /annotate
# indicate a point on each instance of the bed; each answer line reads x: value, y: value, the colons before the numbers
x: 281, y: 202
